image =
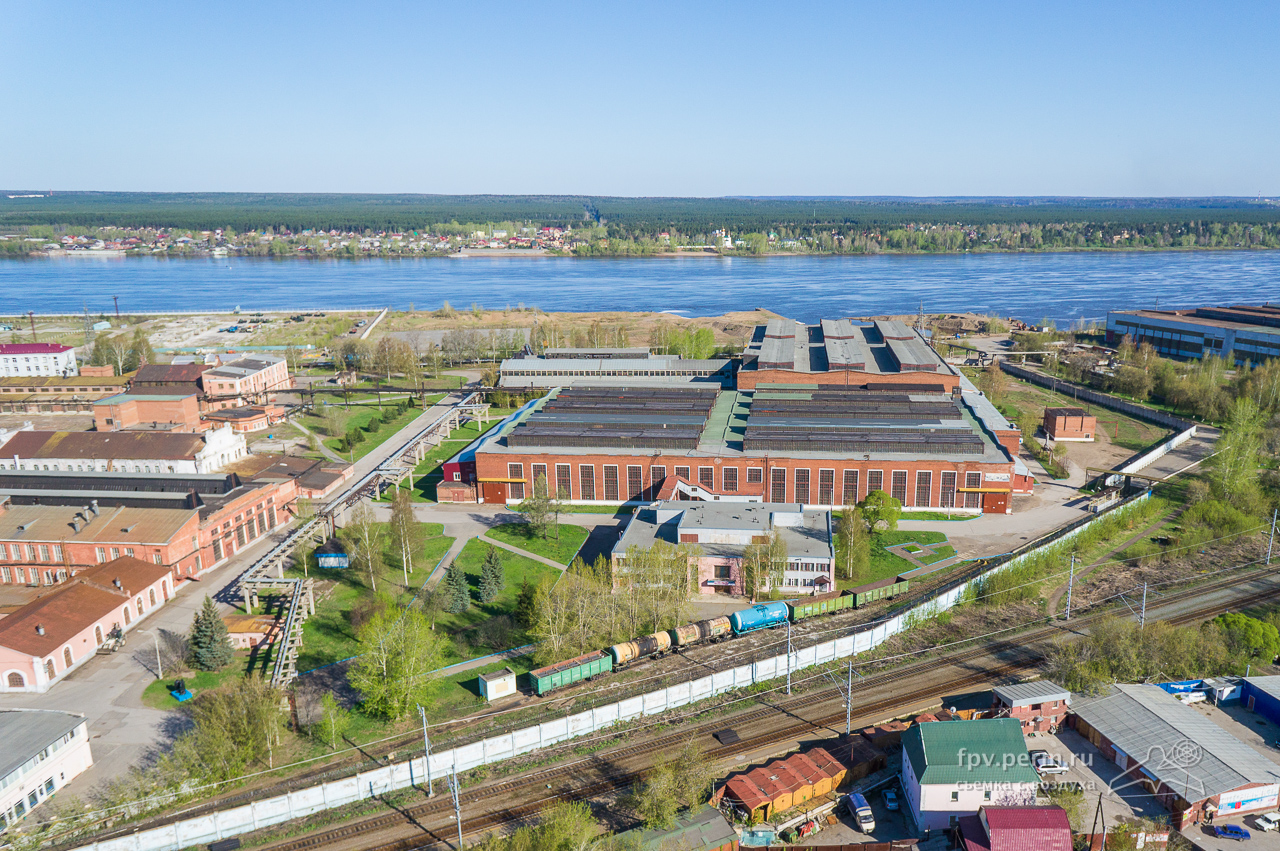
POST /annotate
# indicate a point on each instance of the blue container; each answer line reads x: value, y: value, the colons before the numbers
x: 759, y: 616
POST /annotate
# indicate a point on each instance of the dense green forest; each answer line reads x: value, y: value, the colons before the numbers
x: 613, y: 225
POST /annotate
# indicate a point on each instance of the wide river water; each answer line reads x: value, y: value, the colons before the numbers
x: 1062, y: 287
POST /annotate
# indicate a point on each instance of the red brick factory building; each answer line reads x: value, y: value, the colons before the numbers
x: 816, y: 414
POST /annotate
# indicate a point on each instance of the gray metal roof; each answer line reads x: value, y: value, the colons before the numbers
x: 1174, y: 743
x: 1036, y: 691
x: 1269, y: 685
x: 810, y: 537
x: 26, y: 732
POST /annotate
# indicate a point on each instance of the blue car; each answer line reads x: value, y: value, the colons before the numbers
x: 1230, y: 831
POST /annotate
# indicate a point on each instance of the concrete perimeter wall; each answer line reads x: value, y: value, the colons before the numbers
x: 239, y: 820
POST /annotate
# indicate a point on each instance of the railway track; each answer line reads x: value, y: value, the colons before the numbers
x: 607, y: 777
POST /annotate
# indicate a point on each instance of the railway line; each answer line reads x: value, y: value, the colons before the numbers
x: 517, y: 799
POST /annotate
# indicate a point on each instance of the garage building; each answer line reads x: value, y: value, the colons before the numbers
x: 1193, y: 767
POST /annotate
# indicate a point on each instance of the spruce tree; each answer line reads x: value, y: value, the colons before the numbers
x: 457, y: 596
x: 492, y: 580
x: 210, y: 644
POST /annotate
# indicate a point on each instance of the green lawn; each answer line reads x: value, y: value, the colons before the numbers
x: 939, y: 554
x: 157, y: 694
x: 934, y: 516
x: 473, y: 632
x: 328, y: 635
x: 885, y: 564
x: 571, y: 539
x: 460, y: 693
x: 358, y: 416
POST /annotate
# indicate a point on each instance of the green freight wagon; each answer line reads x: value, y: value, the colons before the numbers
x: 820, y: 604
x: 882, y: 590
x: 570, y: 671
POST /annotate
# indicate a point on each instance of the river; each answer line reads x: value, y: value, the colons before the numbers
x: 1062, y: 287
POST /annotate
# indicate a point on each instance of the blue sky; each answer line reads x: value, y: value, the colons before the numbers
x: 1117, y: 98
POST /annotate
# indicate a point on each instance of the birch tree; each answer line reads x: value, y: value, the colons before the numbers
x: 365, y: 537
x: 406, y: 531
x: 399, y: 659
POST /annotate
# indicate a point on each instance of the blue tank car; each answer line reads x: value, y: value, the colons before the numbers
x: 759, y: 616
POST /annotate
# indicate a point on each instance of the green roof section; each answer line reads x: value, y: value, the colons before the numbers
x: 988, y: 750
x: 701, y: 829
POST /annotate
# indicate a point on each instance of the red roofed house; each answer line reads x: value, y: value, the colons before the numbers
x: 1016, y: 829
x: 57, y: 631
x: 31, y: 359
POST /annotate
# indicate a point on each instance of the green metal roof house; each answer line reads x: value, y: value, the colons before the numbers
x: 953, y: 768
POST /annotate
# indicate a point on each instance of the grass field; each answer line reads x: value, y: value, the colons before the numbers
x: 934, y: 516
x: 1125, y: 432
x: 358, y: 416
x: 475, y: 631
x: 328, y: 635
x: 157, y: 694
x: 563, y: 549
x: 885, y: 564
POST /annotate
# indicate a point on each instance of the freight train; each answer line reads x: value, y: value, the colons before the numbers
x: 759, y: 616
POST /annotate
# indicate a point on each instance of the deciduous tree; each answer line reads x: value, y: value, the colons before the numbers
x: 365, y: 538
x: 399, y: 657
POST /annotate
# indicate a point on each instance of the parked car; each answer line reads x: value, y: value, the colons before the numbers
x: 891, y: 800
x: 1267, y: 821
x: 1045, y: 764
x: 1230, y: 831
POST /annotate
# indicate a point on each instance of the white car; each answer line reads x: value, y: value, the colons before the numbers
x: 1267, y: 821
x: 1046, y: 764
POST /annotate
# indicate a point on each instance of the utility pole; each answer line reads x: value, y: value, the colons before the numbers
x: 88, y: 327
x: 457, y: 807
x: 1271, y: 540
x: 116, y: 299
x: 426, y: 744
x: 1142, y: 618
x: 788, y: 657
x: 31, y: 314
x: 1071, y: 581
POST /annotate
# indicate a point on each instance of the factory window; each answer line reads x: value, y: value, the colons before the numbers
x: 898, y: 490
x: 57, y: 552
x: 5, y: 574
x: 973, y: 480
x: 240, y: 539
x: 271, y: 515
x: 850, y: 487
x: 217, y: 550
x: 707, y: 477
x: 115, y: 553
x: 44, y: 552
x: 826, y: 487
x: 755, y: 475
x: 586, y: 481
x: 635, y: 481
x: 802, y: 486
x: 128, y: 551
x: 611, y: 482
x: 778, y: 485
x: 875, y: 480
x: 947, y: 495
x: 516, y: 471
x: 656, y: 476
x: 539, y: 472
x: 729, y: 475
x: 724, y: 571
x: 924, y: 488
x: 48, y: 577
x: 947, y: 499
x: 156, y: 558
x: 66, y: 657
x: 683, y: 473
